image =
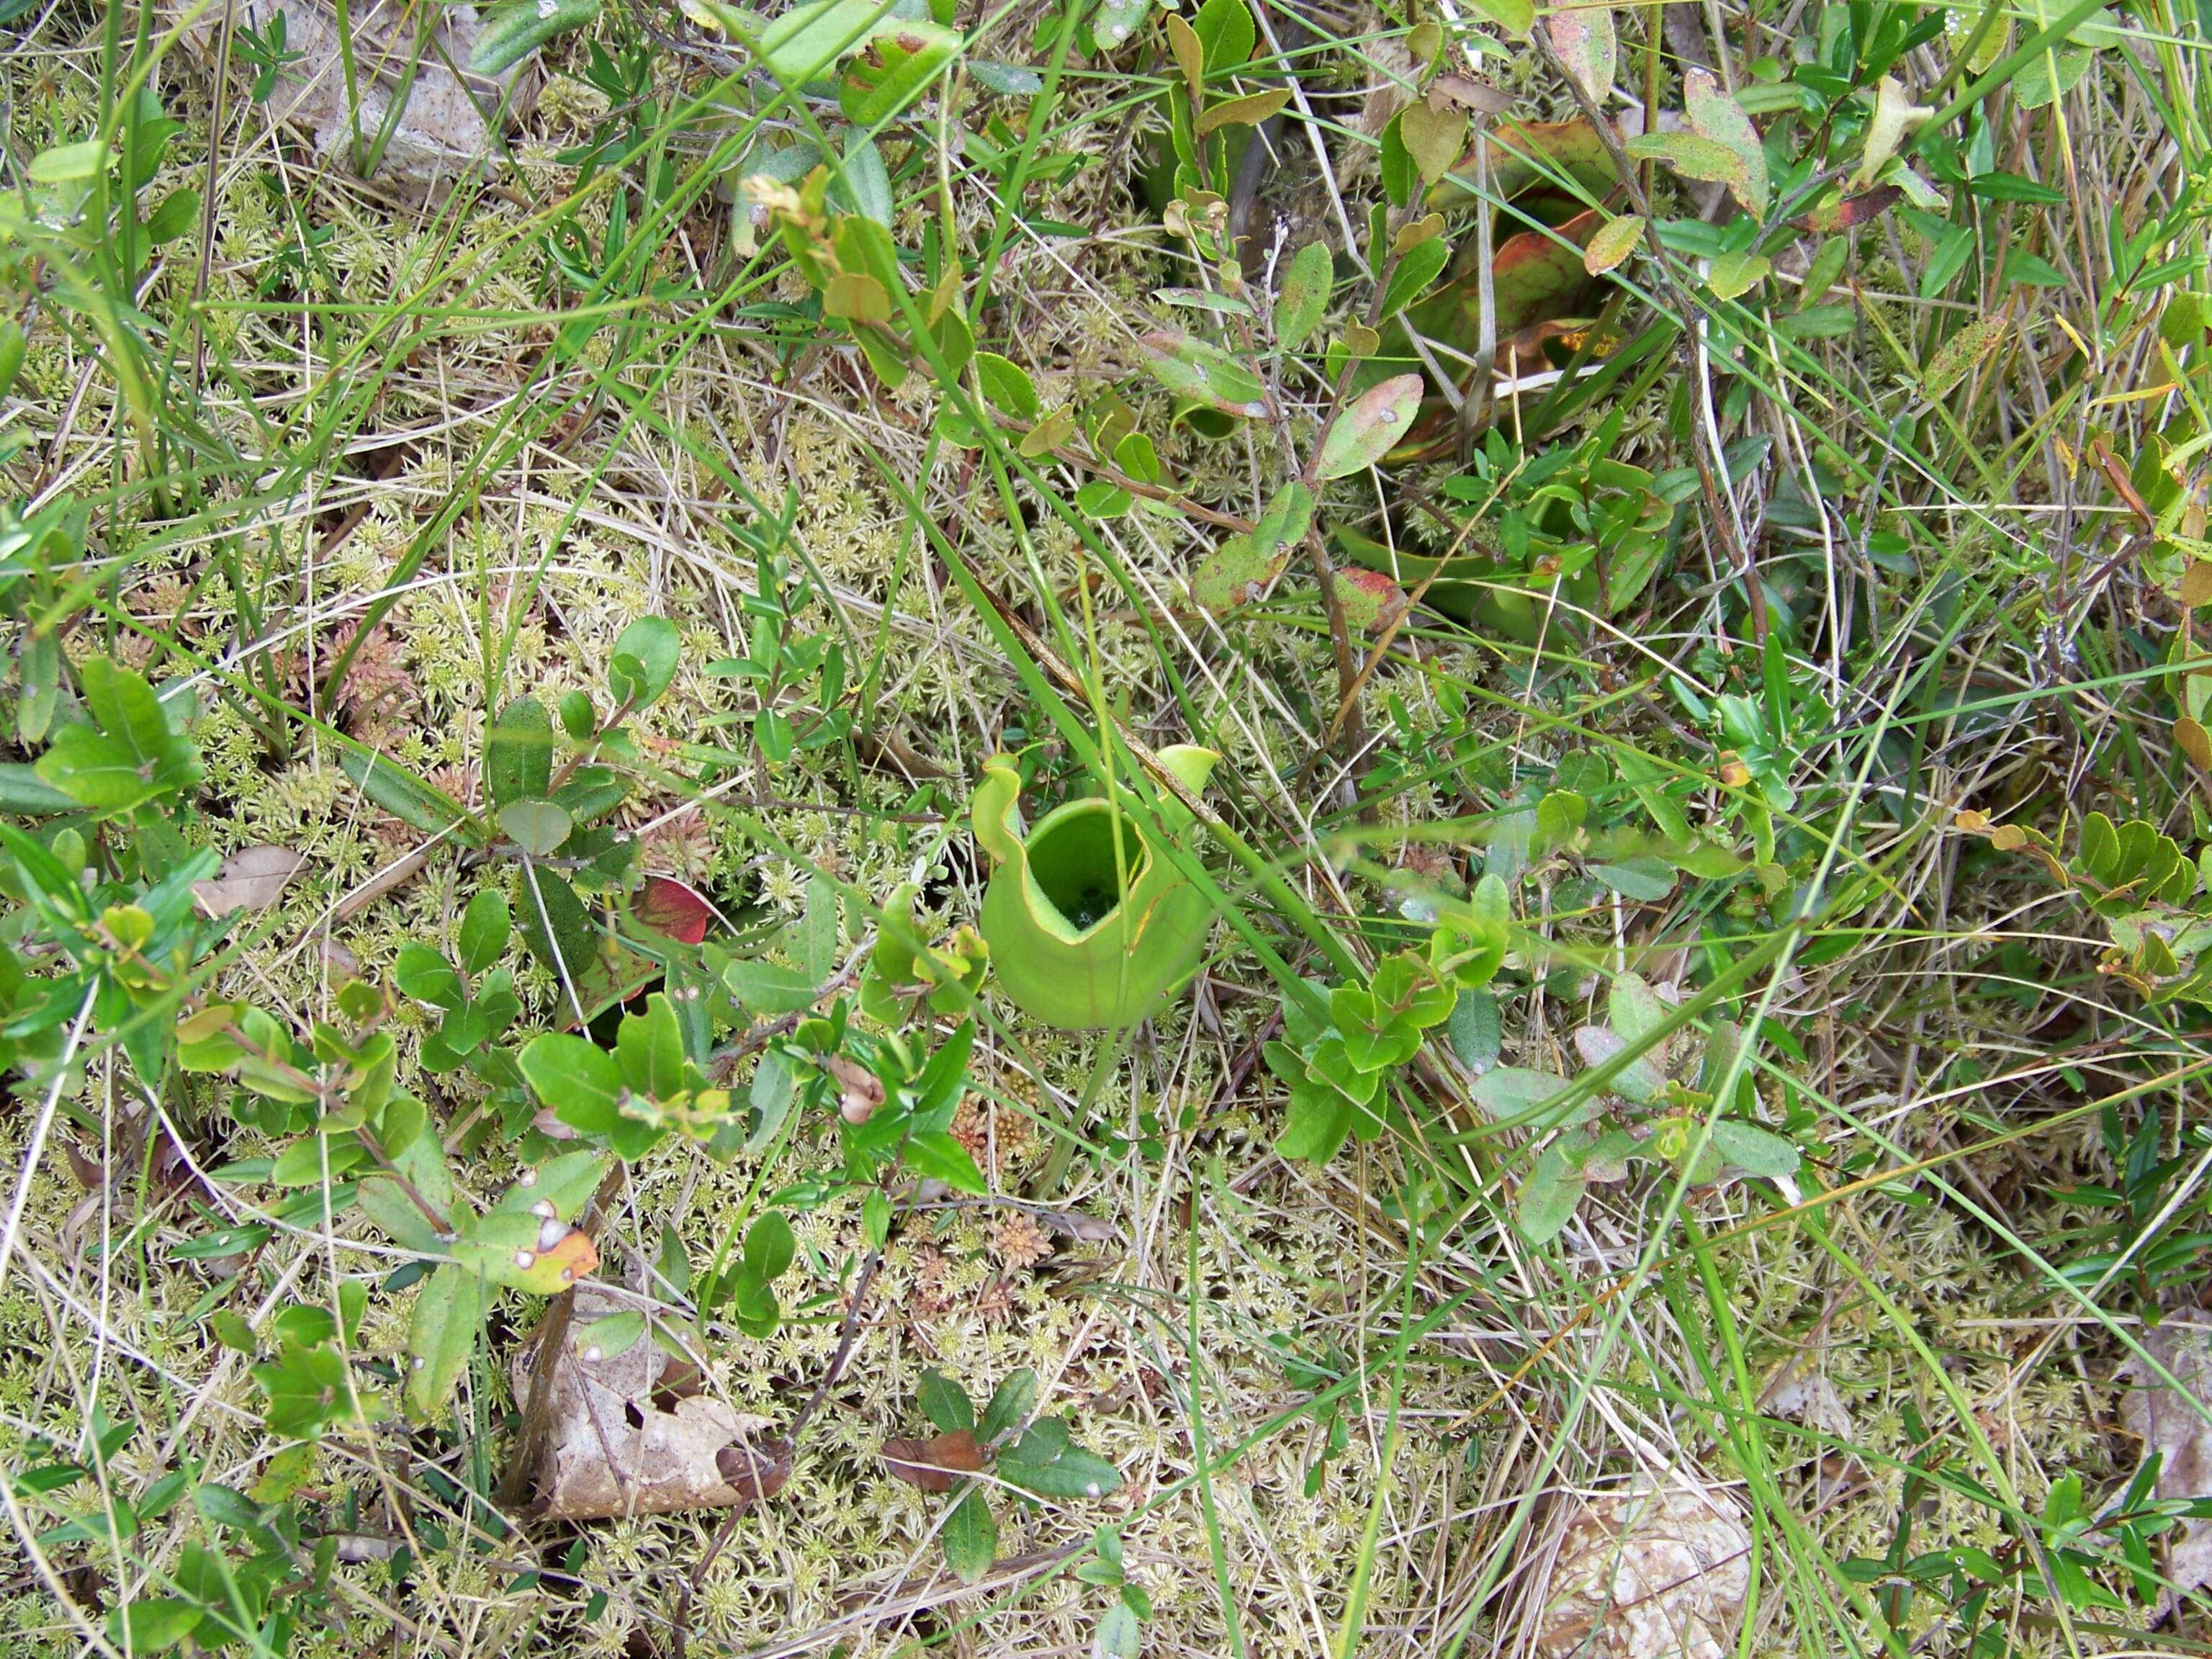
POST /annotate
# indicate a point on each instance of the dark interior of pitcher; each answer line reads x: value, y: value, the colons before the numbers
x: 1073, y: 865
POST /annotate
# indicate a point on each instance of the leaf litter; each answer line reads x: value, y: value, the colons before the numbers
x: 633, y: 1433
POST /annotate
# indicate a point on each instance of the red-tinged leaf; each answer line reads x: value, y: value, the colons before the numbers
x: 1244, y: 566
x: 1370, y: 601
x: 1537, y: 274
x: 936, y: 1464
x: 604, y: 968
x: 668, y: 905
x: 1239, y: 572
x: 1584, y: 38
x: 1370, y: 427
x: 1526, y: 154
x: 551, y: 1272
x: 1714, y: 113
x: 1474, y: 96
x: 615, y: 974
x: 1842, y: 213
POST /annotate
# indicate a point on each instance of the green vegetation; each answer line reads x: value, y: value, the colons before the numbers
x: 1414, y: 798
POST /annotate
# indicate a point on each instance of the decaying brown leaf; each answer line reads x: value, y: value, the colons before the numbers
x: 936, y: 1464
x: 860, y: 1090
x: 1659, y: 1571
x: 1811, y: 1399
x: 90, y: 1173
x: 251, y: 878
x: 2176, y: 1423
x: 623, y: 1439
x: 444, y: 129
x: 1846, y: 211
x: 2195, y: 741
x: 1476, y: 97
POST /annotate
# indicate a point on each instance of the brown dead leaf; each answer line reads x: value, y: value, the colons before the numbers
x: 860, y: 1090
x: 936, y: 1464
x: 251, y: 878
x: 1659, y: 1571
x: 1085, y: 1229
x: 443, y: 128
x: 1811, y: 1399
x: 1476, y: 97
x: 620, y: 1441
x: 392, y: 877
x: 90, y: 1173
x: 1527, y: 351
x: 757, y: 1471
x: 2196, y: 742
x: 2174, y: 1424
x: 1392, y: 66
x: 1849, y: 210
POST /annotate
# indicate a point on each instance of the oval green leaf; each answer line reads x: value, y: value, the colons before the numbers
x: 1370, y: 427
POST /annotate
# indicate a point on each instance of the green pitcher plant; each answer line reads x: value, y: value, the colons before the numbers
x: 1089, y: 922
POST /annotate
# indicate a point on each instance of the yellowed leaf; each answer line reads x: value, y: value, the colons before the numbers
x: 1246, y: 111
x: 1895, y: 114
x: 857, y: 297
x: 1615, y: 241
x: 1584, y: 38
x: 551, y: 1272
x: 2195, y: 741
x: 1957, y: 356
x: 1715, y: 114
x: 1189, y: 54
x: 1433, y: 137
x: 1416, y: 231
